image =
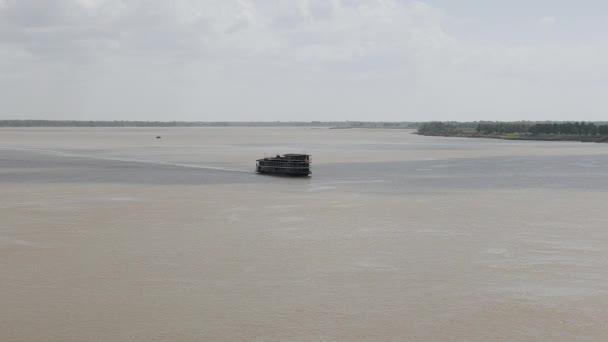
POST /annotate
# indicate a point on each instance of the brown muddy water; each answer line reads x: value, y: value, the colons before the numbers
x: 114, y: 235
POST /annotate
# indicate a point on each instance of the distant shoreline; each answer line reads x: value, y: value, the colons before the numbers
x: 370, y: 127
x: 519, y: 130
x: 440, y: 129
x: 543, y: 137
x: 131, y: 123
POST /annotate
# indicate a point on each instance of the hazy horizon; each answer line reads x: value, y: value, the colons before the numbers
x: 303, y: 60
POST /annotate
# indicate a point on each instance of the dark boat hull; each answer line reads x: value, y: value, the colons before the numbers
x: 285, y: 173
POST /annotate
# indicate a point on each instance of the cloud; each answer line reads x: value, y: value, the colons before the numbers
x: 300, y: 30
x: 279, y: 60
x: 547, y: 21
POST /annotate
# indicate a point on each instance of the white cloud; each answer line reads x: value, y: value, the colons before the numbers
x: 302, y: 29
x: 279, y: 59
x: 547, y: 21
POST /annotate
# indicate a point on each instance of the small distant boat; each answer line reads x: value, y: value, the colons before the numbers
x: 287, y: 165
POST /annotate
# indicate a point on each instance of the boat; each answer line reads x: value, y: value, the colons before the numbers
x: 290, y: 164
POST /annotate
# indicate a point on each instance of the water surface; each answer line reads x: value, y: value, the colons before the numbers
x: 113, y: 235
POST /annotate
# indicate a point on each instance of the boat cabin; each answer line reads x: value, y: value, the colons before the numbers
x: 289, y: 164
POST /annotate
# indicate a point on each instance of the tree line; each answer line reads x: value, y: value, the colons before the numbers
x: 446, y: 128
x: 538, y: 128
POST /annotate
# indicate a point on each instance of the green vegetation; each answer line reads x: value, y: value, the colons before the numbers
x: 520, y: 130
x: 577, y: 128
x: 564, y: 128
x: 447, y: 128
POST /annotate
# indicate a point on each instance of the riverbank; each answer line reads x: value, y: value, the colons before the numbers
x: 522, y: 136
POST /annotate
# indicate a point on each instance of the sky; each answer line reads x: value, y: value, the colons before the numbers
x: 303, y: 60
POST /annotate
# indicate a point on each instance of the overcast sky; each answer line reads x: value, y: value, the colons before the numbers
x: 220, y: 60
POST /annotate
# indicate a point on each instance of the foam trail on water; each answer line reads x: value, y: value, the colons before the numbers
x: 132, y: 160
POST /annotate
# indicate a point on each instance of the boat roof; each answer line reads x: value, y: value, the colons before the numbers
x: 287, y: 155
